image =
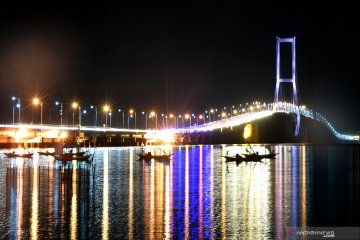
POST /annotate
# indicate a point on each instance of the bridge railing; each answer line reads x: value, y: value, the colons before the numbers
x: 262, y: 111
x: 290, y: 108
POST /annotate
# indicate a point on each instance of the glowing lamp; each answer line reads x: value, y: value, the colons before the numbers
x: 247, y: 131
x: 63, y: 135
x: 106, y: 108
x: 36, y: 101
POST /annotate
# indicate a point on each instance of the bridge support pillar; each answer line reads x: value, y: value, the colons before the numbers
x: 291, y: 80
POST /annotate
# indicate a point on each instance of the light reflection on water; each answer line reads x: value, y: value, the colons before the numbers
x: 105, y: 204
x: 35, y: 200
x: 197, y: 195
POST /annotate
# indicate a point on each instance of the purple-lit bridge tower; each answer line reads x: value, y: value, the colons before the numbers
x: 291, y: 80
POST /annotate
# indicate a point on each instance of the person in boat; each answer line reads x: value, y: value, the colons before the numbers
x: 237, y: 156
x: 148, y: 154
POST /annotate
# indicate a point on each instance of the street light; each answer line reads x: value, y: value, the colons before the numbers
x: 131, y: 111
x: 95, y: 121
x: 106, y: 110
x: 110, y: 118
x: 18, y: 105
x: 172, y: 116
x: 187, y: 116
x: 163, y: 119
x: 201, y: 118
x: 61, y: 112
x: 123, y: 121
x: 36, y: 101
x: 177, y: 121
x: 211, y: 111
x: 74, y: 106
x: 144, y: 113
x: 84, y: 112
x: 154, y: 114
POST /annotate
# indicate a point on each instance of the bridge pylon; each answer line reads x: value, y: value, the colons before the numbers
x: 291, y: 80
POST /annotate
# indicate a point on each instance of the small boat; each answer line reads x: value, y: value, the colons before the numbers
x: 148, y: 156
x: 47, y: 153
x: 238, y: 159
x: 255, y: 157
x: 249, y: 157
x: 67, y: 157
x: 78, y: 153
x: 20, y: 155
x: 233, y: 159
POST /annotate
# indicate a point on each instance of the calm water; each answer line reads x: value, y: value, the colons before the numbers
x: 197, y: 195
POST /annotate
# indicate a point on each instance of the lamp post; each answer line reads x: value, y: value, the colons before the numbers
x: 128, y: 121
x: 132, y: 112
x: 18, y: 105
x: 177, y: 121
x: 13, y: 115
x: 110, y: 118
x: 152, y: 114
x: 187, y: 116
x: 79, y: 115
x: 61, y: 112
x: 36, y: 101
x: 144, y: 113
x: 96, y: 111
x: 106, y: 110
x: 210, y: 112
x: 172, y: 116
x: 201, y: 118
x: 84, y: 112
x: 74, y: 106
x: 163, y: 119
x: 123, y: 118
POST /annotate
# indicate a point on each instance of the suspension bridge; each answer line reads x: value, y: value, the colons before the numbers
x: 16, y: 132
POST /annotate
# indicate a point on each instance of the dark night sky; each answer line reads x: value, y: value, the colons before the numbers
x: 129, y: 58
